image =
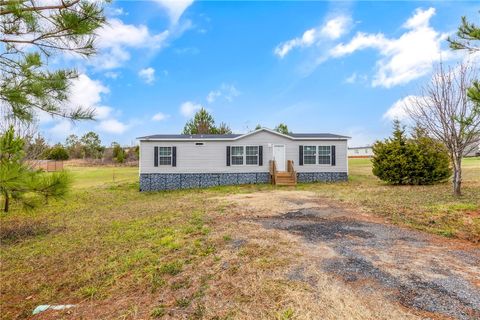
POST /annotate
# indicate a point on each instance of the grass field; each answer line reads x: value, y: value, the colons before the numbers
x: 430, y: 208
x: 124, y: 254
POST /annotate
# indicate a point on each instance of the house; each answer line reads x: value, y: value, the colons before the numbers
x: 360, y: 152
x: 172, y: 161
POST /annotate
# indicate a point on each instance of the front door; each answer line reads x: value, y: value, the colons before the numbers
x: 279, y: 156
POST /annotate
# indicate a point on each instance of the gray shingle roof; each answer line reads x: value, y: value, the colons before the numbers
x: 317, y: 135
x: 234, y: 136
x: 191, y: 136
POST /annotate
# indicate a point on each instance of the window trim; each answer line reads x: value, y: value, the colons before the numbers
x: 160, y: 156
x: 257, y: 155
x: 329, y: 156
x: 244, y: 154
x: 314, y: 155
x: 232, y: 155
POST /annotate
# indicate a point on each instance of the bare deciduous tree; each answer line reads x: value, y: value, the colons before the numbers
x: 446, y: 112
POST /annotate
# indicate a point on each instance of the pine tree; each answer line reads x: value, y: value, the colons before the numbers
x: 32, y: 32
x: 417, y: 160
x: 282, y: 128
x: 21, y: 183
x: 203, y: 123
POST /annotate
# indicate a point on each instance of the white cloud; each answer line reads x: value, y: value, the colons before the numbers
x: 147, y: 74
x: 399, y: 110
x: 336, y: 27
x: 356, y: 78
x: 117, y: 33
x: 160, y: 116
x: 116, y: 37
x: 175, y: 8
x: 111, y: 11
x: 332, y: 29
x: 86, y: 92
x: 62, y: 127
x: 102, y: 112
x: 420, y: 19
x: 227, y: 91
x: 112, y: 126
x: 213, y: 95
x: 111, y: 74
x: 188, y: 108
x: 352, y: 78
x: 405, y: 58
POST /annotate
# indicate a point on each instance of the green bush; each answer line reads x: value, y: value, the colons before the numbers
x: 119, y: 154
x: 57, y: 152
x: 413, y: 161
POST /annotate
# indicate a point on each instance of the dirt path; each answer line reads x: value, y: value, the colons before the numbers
x: 425, y: 275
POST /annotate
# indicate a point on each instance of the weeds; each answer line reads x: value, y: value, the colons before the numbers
x: 158, y: 312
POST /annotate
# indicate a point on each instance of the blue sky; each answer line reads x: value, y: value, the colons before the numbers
x: 318, y: 66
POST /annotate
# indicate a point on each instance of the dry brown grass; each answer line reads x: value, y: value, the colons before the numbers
x: 258, y: 282
x: 121, y: 254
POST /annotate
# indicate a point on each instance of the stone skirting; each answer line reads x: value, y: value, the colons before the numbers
x: 322, y: 176
x: 172, y: 181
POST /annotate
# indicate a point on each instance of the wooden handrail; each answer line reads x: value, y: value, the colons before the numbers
x: 273, y: 170
x: 291, y: 170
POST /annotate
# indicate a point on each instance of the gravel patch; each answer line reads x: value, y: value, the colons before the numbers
x: 406, y: 265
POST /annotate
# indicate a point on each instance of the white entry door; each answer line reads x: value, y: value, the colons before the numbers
x: 279, y: 156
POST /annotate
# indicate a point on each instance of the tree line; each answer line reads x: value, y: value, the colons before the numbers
x: 88, y: 146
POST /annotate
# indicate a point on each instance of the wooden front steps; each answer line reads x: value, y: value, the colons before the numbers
x: 283, y: 178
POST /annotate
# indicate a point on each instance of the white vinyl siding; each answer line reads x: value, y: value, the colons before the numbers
x: 324, y: 154
x: 165, y: 156
x: 211, y: 157
x: 309, y: 154
x: 237, y: 156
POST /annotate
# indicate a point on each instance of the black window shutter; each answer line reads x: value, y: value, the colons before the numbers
x: 228, y: 156
x: 155, y: 156
x: 334, y: 157
x: 260, y: 155
x: 300, y: 155
x: 174, y: 156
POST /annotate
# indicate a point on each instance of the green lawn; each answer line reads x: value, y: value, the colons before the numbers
x: 135, y: 255
x: 87, y: 177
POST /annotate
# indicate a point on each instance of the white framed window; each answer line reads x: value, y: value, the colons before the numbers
x: 251, y: 155
x: 237, y: 155
x: 165, y: 156
x: 324, y: 154
x: 309, y: 154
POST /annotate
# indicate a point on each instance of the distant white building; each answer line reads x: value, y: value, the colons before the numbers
x: 473, y: 150
x: 360, y: 152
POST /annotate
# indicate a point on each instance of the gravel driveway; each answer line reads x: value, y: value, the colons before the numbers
x: 431, y: 276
